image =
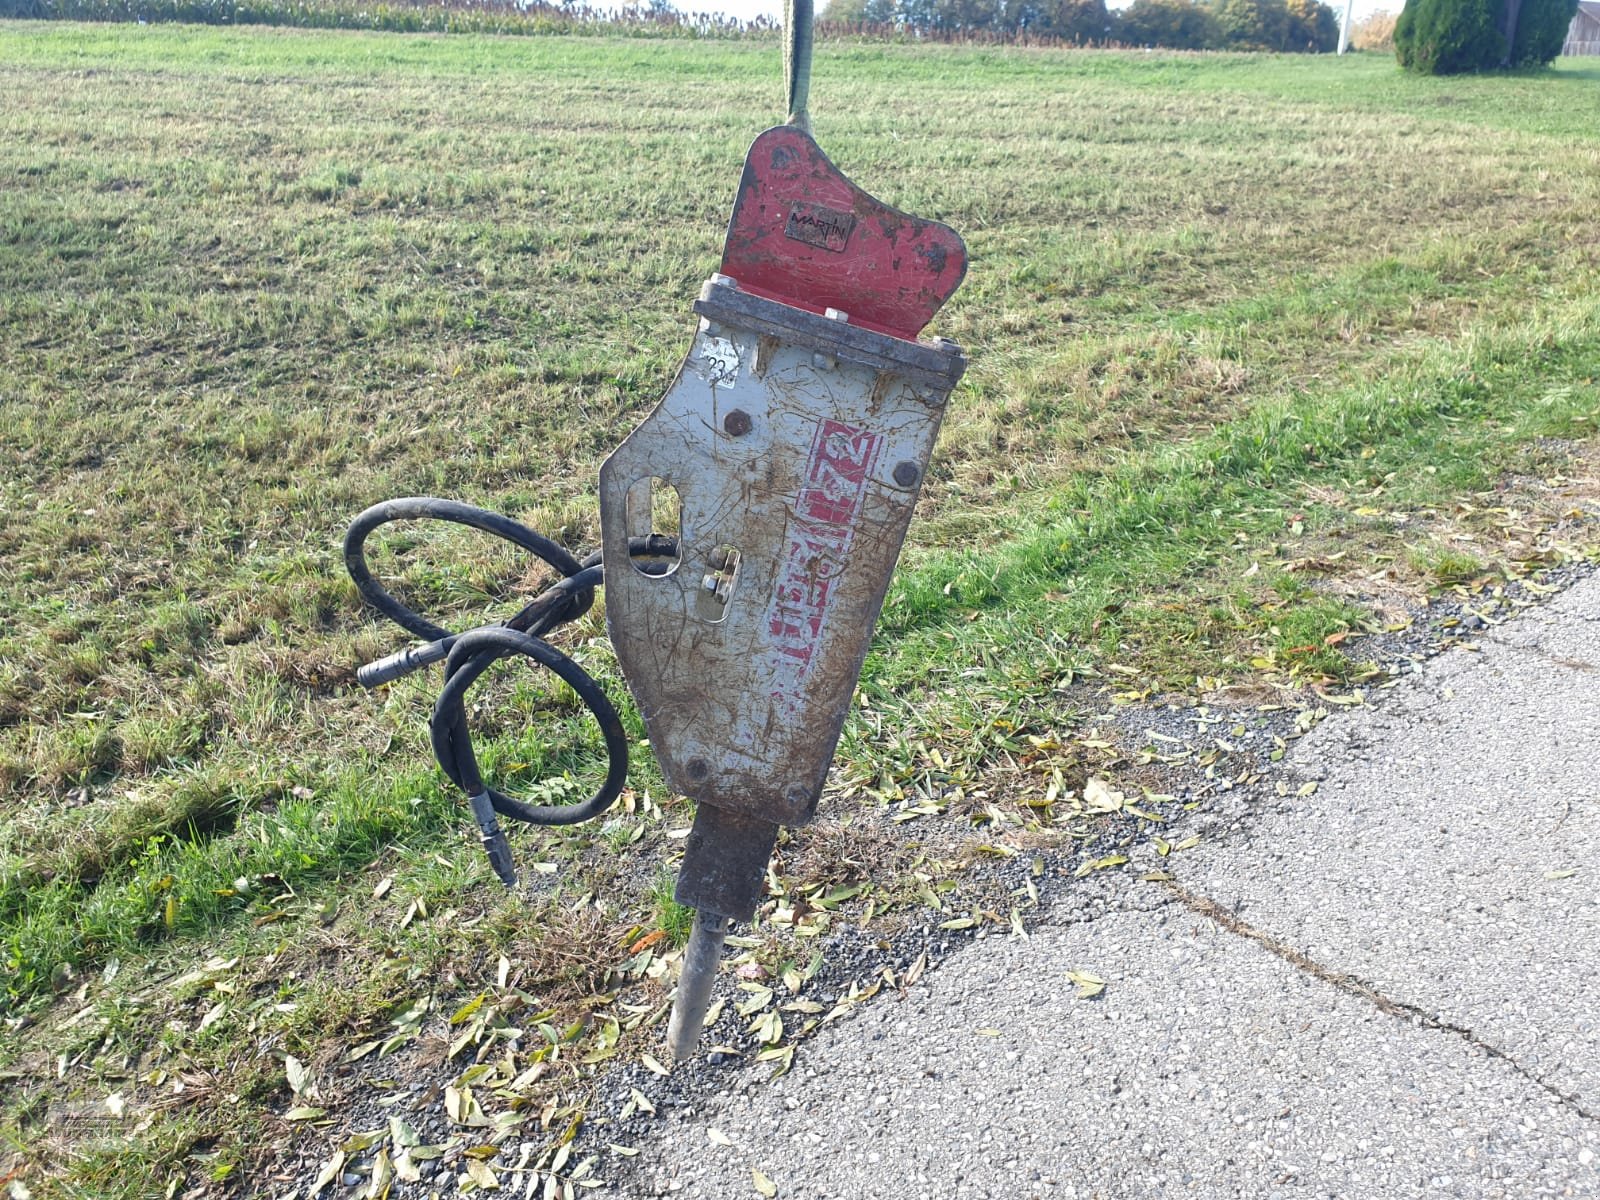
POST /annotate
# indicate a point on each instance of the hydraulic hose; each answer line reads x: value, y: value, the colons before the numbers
x: 429, y: 508
x: 468, y: 655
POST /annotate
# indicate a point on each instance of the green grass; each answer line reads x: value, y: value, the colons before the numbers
x: 672, y: 918
x: 1228, y: 316
x: 495, y: 17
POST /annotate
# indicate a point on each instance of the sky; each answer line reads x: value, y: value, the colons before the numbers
x: 747, y: 9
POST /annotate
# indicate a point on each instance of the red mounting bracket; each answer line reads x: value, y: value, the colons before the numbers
x: 804, y: 235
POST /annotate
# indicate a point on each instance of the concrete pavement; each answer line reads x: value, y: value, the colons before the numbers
x: 1384, y: 989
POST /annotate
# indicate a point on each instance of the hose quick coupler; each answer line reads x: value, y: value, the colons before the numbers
x: 494, y: 839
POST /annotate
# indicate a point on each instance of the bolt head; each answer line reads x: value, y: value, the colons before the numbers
x: 737, y: 423
x: 906, y: 474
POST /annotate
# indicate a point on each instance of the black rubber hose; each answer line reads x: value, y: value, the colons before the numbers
x: 468, y: 655
x: 474, y: 653
x: 430, y: 508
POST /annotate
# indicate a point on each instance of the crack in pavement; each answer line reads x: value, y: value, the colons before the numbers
x: 1572, y: 664
x: 1351, y: 985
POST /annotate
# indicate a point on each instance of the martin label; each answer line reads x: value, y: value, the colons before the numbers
x: 815, y: 225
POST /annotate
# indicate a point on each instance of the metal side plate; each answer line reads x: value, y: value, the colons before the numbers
x: 799, y: 443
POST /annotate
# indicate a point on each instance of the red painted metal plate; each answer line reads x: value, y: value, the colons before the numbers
x: 804, y: 235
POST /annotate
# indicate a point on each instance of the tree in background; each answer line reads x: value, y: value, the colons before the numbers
x: 1376, y: 32
x: 1074, y: 20
x: 1313, y: 28
x: 1177, y: 24
x: 956, y: 16
x: 1539, y: 30
x: 1294, y: 25
x: 1447, y: 37
x: 859, y: 12
x: 1252, y: 24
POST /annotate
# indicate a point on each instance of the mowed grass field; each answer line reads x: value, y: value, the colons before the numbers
x: 1265, y: 352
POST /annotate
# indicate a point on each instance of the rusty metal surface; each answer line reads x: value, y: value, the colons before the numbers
x: 806, y: 457
x: 930, y: 363
x: 725, y: 862
x: 803, y: 234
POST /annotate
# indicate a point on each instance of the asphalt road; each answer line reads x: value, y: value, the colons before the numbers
x: 1384, y: 989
